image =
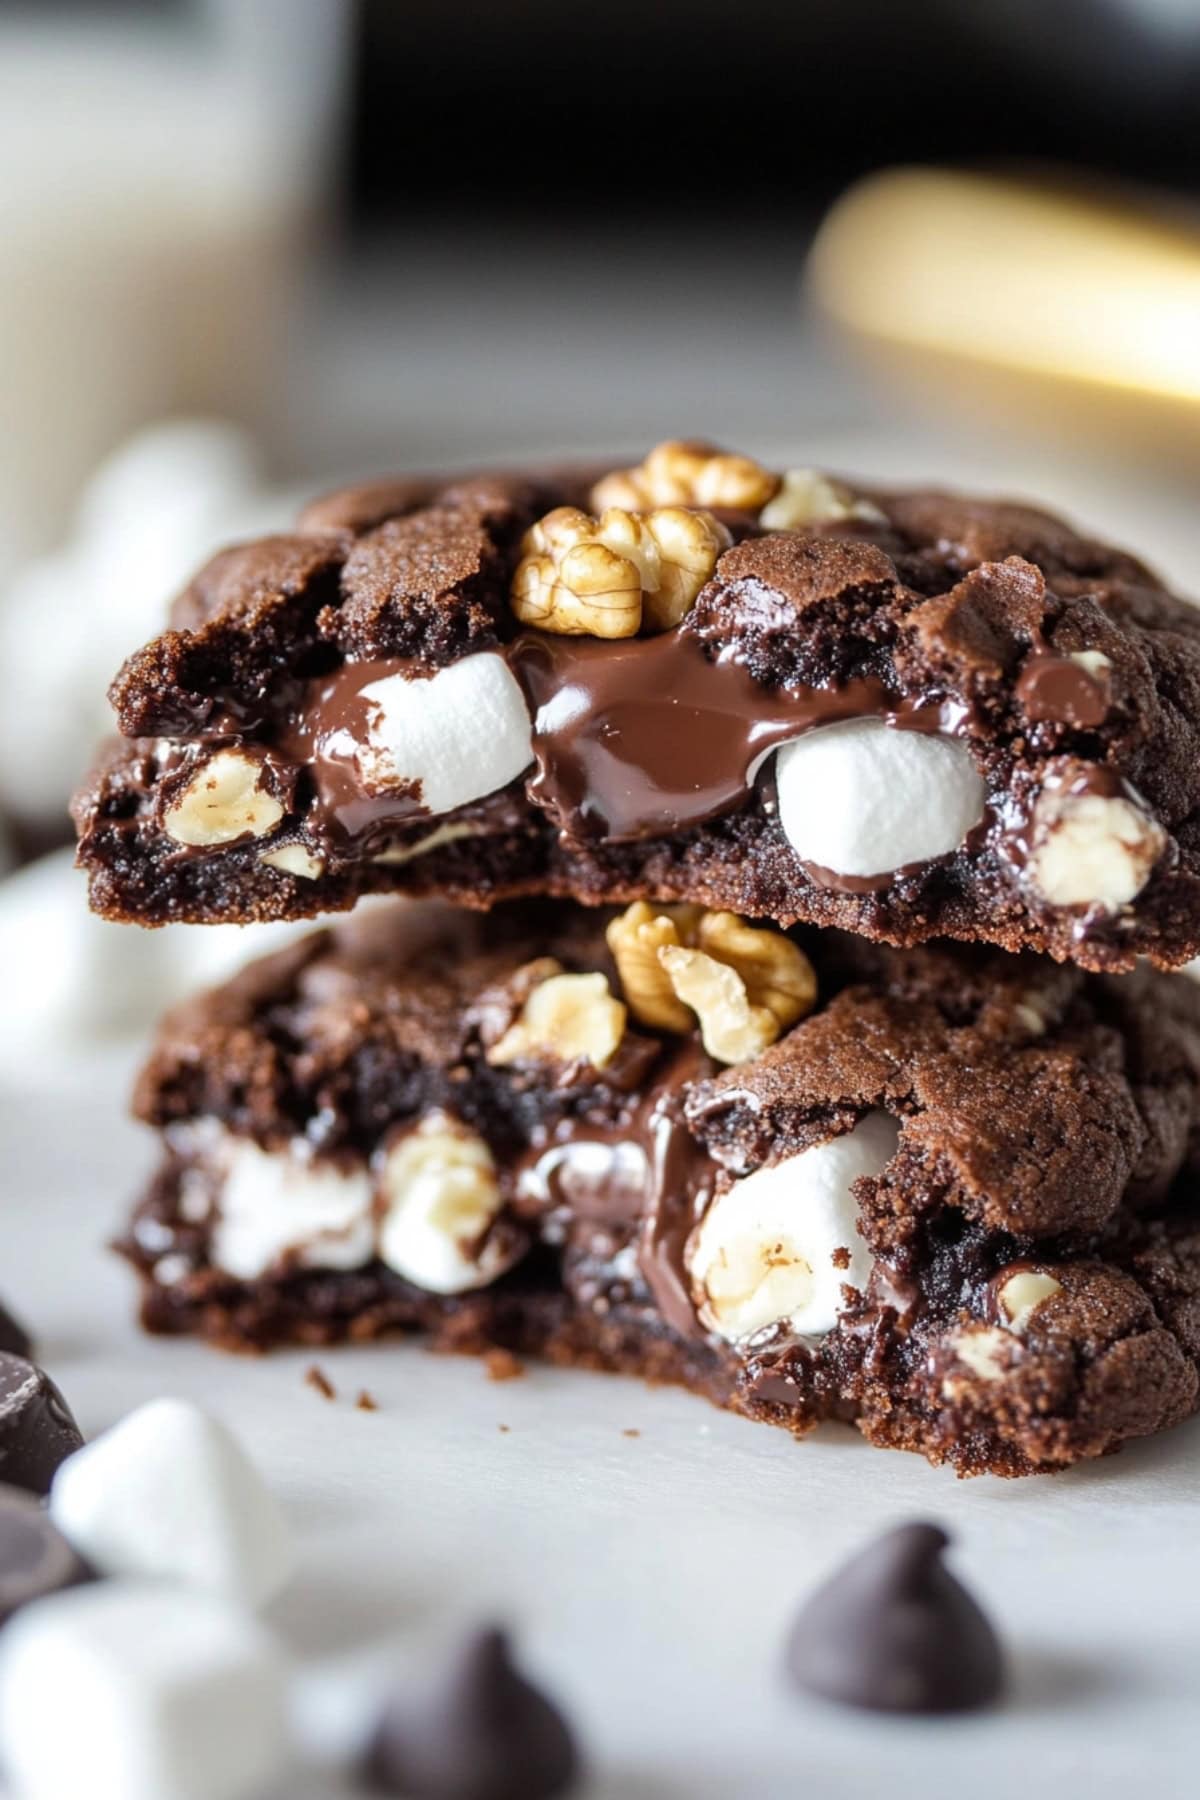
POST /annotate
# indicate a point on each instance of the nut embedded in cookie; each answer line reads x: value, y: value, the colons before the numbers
x: 613, y: 576
x: 677, y: 473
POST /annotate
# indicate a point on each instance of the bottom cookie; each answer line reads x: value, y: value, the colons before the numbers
x: 948, y: 1205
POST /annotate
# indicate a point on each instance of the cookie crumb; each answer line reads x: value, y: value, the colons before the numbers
x: 631, y: 1431
x: 504, y: 1428
x: 366, y: 1401
x: 502, y: 1365
x: 318, y: 1379
x: 841, y: 1257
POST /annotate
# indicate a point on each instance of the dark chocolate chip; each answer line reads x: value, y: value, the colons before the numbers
x: 14, y: 1339
x: 487, y: 1734
x: 37, y: 1432
x: 35, y: 1558
x: 893, y: 1630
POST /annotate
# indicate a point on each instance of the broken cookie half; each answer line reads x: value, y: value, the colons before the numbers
x: 940, y: 1192
x: 695, y: 680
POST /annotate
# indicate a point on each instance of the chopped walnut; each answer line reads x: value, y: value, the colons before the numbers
x: 613, y: 576
x: 567, y: 1018
x: 745, y: 985
x: 687, y: 474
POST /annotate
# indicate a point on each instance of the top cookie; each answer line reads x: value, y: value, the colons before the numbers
x: 906, y: 714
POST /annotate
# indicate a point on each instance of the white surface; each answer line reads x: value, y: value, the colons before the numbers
x: 651, y: 1579
x: 168, y: 1494
x: 125, y: 1691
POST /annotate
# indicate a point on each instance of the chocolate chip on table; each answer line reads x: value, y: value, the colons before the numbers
x: 35, y: 1558
x: 14, y: 1339
x: 894, y: 1631
x: 487, y: 1734
x: 37, y: 1432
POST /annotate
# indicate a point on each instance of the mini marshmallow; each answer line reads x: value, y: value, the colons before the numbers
x: 441, y: 1196
x: 285, y: 1203
x: 864, y: 798
x: 124, y: 1691
x: 462, y: 733
x: 75, y: 981
x: 170, y: 1494
x: 764, y: 1252
x: 150, y: 515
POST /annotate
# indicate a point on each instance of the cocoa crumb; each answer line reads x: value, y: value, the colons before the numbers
x: 504, y: 1428
x: 502, y: 1365
x: 317, y: 1378
x: 366, y: 1402
x: 841, y: 1257
x: 631, y: 1431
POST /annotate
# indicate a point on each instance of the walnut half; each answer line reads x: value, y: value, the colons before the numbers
x: 610, y: 577
x: 686, y: 474
x: 744, y: 985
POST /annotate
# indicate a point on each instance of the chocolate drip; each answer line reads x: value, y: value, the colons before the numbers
x: 647, y: 736
x: 325, y: 735
x: 646, y: 1172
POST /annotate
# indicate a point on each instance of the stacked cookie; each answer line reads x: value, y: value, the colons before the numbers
x: 695, y: 768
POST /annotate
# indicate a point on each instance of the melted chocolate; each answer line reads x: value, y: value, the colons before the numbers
x: 326, y: 734
x: 631, y: 739
x: 1056, y: 690
x: 650, y: 735
x: 646, y: 1172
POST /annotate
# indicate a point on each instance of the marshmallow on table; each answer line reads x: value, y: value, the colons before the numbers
x: 127, y: 1691
x: 863, y: 797
x: 169, y: 1494
x: 462, y: 733
x: 764, y: 1252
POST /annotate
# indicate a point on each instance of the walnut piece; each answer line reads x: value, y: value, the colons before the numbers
x: 610, y: 577
x: 567, y: 1018
x: 223, y: 801
x: 743, y: 984
x: 1091, y: 849
x: 688, y: 474
x: 809, y: 498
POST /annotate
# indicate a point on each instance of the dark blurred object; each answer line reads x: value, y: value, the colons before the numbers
x: 693, y: 105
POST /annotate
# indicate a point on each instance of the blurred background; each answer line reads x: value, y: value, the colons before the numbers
x: 250, y: 247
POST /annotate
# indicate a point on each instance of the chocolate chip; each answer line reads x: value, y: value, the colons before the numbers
x: 37, y: 1432
x: 14, y: 1339
x: 487, y: 1734
x: 893, y: 1630
x: 35, y: 1558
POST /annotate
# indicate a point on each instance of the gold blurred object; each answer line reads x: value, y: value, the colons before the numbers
x: 1021, y: 294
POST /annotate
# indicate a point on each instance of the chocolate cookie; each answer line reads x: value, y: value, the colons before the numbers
x: 940, y: 1192
x: 908, y: 715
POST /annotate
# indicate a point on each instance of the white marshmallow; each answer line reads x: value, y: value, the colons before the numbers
x: 170, y: 1494
x: 275, y: 1203
x: 463, y: 733
x: 128, y: 1692
x: 763, y: 1253
x: 151, y: 514
x: 74, y: 982
x: 441, y: 1194
x: 863, y: 797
